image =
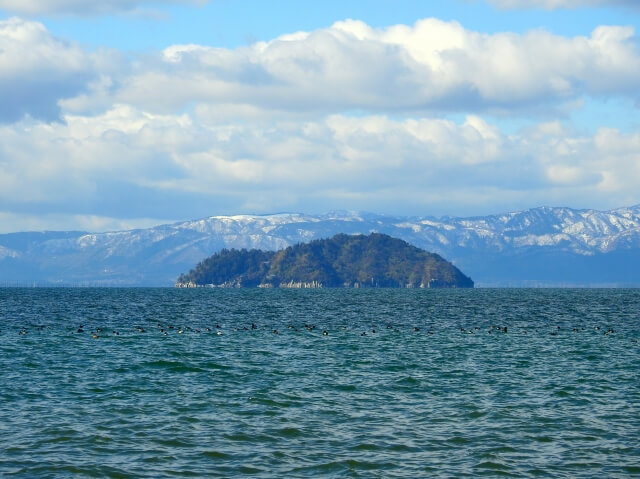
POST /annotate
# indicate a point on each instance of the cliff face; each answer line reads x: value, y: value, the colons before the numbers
x: 376, y: 260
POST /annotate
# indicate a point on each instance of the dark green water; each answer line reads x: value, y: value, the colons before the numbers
x: 432, y: 389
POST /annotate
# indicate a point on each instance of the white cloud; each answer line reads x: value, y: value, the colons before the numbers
x: 313, y: 121
x: 82, y: 7
x: 412, y: 166
x: 37, y: 70
x: 430, y: 66
x: 554, y: 4
x: 433, y: 65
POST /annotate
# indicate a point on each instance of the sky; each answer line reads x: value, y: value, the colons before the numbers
x: 123, y: 114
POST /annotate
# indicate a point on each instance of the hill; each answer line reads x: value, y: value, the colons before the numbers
x: 376, y: 260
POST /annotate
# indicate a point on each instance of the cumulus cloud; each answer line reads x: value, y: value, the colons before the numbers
x: 554, y: 4
x: 335, y: 118
x: 82, y: 7
x: 410, y: 166
x: 38, y: 70
x: 432, y: 65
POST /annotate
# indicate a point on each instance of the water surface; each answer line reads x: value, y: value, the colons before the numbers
x: 319, y: 383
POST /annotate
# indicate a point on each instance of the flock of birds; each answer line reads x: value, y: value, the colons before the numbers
x: 167, y: 329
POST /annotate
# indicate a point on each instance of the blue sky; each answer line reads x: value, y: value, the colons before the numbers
x: 127, y: 113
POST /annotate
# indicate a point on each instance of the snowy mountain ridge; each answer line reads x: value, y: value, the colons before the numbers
x: 512, y: 248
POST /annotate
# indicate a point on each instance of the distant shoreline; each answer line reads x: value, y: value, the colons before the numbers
x: 32, y: 285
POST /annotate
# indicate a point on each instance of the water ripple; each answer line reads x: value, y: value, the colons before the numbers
x: 378, y: 383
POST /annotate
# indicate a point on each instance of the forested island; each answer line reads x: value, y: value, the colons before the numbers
x: 344, y: 261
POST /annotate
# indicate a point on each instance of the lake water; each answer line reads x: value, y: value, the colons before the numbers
x: 319, y: 383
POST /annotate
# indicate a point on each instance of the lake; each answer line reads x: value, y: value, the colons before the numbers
x: 128, y: 383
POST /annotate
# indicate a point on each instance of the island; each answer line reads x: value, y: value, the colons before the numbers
x: 343, y: 261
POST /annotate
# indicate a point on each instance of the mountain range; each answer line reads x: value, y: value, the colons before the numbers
x: 545, y: 246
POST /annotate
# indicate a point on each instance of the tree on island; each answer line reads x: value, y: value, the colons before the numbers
x: 376, y: 260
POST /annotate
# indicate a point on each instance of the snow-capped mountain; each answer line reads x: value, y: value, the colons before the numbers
x: 540, y: 246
